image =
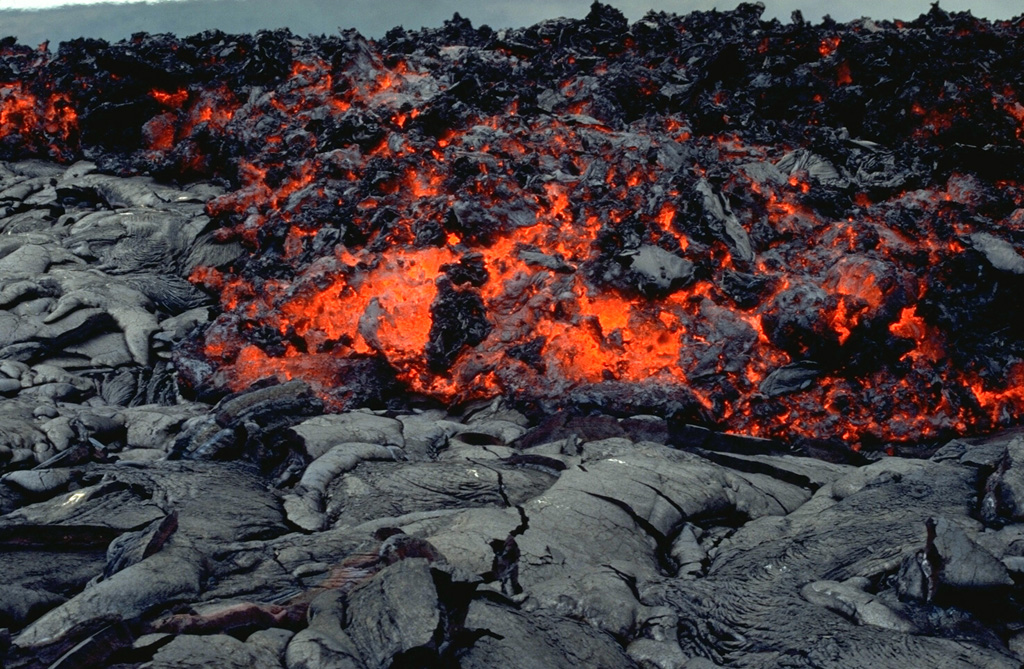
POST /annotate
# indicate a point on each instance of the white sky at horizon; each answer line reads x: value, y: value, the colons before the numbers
x: 49, y: 4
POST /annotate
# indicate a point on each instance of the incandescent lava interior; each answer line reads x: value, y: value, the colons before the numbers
x: 779, y: 230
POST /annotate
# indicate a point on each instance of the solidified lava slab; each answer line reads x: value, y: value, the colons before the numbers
x: 782, y: 230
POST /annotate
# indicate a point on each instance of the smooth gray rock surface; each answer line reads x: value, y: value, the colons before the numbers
x: 393, y: 613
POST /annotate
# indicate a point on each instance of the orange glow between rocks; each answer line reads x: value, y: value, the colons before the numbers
x: 175, y: 99
x: 843, y: 75
x: 828, y: 46
x: 557, y: 191
x: 50, y: 122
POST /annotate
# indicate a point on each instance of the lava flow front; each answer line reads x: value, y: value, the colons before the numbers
x: 782, y: 230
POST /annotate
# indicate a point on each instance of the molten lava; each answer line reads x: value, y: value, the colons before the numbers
x: 545, y: 212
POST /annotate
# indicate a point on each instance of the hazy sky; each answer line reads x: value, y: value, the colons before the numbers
x: 83, y: 18
x: 40, y: 4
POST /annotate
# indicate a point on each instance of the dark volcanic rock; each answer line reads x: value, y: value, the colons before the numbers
x: 499, y: 348
x: 395, y: 612
x: 578, y: 546
x: 790, y: 379
x: 1004, y: 489
x: 461, y: 213
x: 952, y: 568
x: 458, y: 320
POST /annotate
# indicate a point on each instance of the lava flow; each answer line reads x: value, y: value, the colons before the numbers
x: 782, y: 230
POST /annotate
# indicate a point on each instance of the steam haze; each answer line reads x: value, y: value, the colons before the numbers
x: 373, y: 18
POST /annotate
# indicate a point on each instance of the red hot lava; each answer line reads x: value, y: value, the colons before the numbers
x: 603, y: 205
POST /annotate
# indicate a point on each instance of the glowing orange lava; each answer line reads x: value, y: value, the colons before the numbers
x: 479, y: 229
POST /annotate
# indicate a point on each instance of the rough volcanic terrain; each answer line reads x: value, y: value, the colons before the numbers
x: 688, y: 343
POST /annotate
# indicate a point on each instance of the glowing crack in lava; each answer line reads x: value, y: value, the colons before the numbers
x: 756, y: 231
